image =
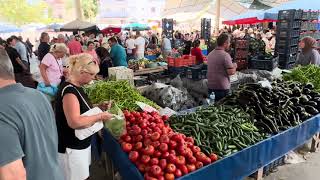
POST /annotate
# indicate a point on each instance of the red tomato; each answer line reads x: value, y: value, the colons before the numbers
x: 178, y: 173
x: 202, y: 157
x: 136, y: 129
x: 172, y: 158
x: 163, y: 163
x: 183, y: 136
x: 143, y: 125
x: 163, y: 147
x: 155, y: 170
x: 172, y: 144
x: 172, y: 152
x: 195, y: 149
x: 154, y: 161
x: 206, y: 161
x: 182, y: 150
x: 142, y: 167
x: 183, y: 169
x: 133, y: 156
x: 139, y: 138
x: 165, y: 154
x: 158, y: 130
x: 126, y: 147
x: 181, y: 160
x: 144, y: 132
x: 155, y: 144
x: 132, y: 119
x: 153, y: 125
x: 191, y: 167
x: 127, y: 138
x: 165, y: 117
x: 148, y: 177
x: 161, y: 178
x: 171, y: 168
x: 190, y: 139
x: 213, y: 157
x: 149, y: 150
x: 157, y: 153
x: 192, y: 159
x: 155, y: 136
x: 131, y: 132
x: 164, y: 139
x: 169, y: 176
x: 145, y: 159
x: 147, y: 142
x: 138, y: 146
x: 199, y: 164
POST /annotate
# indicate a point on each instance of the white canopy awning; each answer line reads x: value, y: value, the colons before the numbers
x: 189, y: 9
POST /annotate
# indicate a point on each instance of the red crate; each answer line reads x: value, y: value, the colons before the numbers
x: 171, y: 61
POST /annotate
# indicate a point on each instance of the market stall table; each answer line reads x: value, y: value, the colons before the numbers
x: 150, y: 70
x: 236, y: 166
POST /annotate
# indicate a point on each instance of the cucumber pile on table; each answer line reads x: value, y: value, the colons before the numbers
x: 218, y: 129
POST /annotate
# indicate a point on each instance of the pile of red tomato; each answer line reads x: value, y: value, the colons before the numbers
x: 157, y: 151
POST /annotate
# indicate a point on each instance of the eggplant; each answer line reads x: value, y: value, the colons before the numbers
x: 309, y: 86
x: 303, y: 99
x: 311, y: 110
x: 312, y: 103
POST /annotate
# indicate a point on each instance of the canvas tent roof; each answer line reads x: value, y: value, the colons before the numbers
x: 78, y: 25
x: 187, y: 9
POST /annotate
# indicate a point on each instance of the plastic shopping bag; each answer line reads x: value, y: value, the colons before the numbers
x: 49, y: 90
x: 116, y: 125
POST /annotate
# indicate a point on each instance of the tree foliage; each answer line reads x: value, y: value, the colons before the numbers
x: 89, y: 8
x: 20, y: 12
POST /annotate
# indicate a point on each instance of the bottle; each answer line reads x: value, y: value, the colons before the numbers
x: 212, y: 97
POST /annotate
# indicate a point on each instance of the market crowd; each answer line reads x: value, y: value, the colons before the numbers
x: 39, y: 143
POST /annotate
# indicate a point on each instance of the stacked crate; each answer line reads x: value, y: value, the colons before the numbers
x: 287, y: 39
x: 310, y: 25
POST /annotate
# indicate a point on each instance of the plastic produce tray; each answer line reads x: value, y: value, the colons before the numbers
x: 284, y: 24
x: 288, y: 33
x: 263, y: 64
x: 290, y: 14
x: 285, y: 42
x: 229, y: 168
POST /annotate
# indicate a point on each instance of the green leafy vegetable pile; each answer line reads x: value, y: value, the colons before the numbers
x: 305, y: 74
x: 119, y: 92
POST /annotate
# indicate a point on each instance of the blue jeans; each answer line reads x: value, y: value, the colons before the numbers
x: 219, y: 93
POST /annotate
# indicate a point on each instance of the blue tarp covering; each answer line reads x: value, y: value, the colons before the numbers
x: 234, y: 167
x: 273, y: 12
x: 6, y: 28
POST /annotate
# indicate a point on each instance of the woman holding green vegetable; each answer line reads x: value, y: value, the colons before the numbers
x: 308, y: 55
x: 71, y: 102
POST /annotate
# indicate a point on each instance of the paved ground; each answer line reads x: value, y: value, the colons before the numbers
x: 309, y: 170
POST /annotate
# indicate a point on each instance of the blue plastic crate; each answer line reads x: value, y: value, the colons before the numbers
x: 151, y: 57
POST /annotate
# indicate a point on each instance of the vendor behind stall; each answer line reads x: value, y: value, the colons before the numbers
x: 308, y: 55
x: 220, y: 67
x: 117, y: 53
x: 165, y: 47
x: 197, y: 52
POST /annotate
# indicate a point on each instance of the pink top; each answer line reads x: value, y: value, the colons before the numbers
x: 219, y: 61
x: 54, y: 70
x: 74, y: 47
x: 94, y: 55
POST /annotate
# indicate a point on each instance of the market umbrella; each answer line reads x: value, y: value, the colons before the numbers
x: 111, y: 30
x: 7, y: 28
x: 78, y: 25
x: 136, y: 27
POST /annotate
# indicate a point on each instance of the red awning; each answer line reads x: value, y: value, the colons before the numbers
x: 253, y: 20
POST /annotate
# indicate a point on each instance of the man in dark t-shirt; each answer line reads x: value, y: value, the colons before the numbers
x: 44, y: 46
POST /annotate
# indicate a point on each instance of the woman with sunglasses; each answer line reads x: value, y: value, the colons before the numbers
x: 71, y: 102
